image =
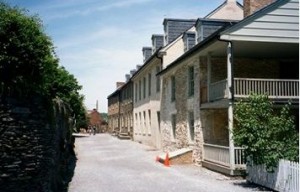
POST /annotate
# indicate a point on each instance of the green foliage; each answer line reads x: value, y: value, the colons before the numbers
x: 25, y: 51
x: 104, y: 116
x: 267, y: 134
x: 28, y: 64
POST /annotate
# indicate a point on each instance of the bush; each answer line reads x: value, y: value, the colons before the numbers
x: 267, y: 134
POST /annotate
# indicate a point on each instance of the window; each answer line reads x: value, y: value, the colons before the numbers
x: 140, y: 123
x: 144, y: 87
x: 191, y: 81
x: 158, y: 119
x: 145, y: 126
x: 173, y: 121
x: 149, y: 115
x: 157, y: 79
x: 188, y: 40
x: 191, y: 125
x: 173, y: 91
x: 136, y: 123
x: 140, y: 90
x: 149, y: 84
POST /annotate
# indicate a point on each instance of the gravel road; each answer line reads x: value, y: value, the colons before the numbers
x: 106, y: 163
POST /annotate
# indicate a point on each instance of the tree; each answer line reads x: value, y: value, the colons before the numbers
x: 267, y: 134
x: 64, y: 85
x: 26, y: 53
x: 28, y: 63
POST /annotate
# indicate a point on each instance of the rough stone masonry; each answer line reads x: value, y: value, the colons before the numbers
x: 36, y: 147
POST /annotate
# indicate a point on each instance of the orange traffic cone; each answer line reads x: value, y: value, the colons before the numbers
x: 157, y: 159
x: 167, y: 160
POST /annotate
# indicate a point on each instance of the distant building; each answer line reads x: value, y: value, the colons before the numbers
x: 95, y: 120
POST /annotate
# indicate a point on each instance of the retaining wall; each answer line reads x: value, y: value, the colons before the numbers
x: 36, y: 145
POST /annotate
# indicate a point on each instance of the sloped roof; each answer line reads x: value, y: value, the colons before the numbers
x: 278, y: 22
x: 225, y: 32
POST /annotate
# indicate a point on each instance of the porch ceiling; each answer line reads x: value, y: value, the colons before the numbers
x: 255, y: 50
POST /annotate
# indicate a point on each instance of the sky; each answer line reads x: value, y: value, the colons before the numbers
x: 99, y: 41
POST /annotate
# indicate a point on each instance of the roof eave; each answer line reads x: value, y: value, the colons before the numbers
x: 212, y: 38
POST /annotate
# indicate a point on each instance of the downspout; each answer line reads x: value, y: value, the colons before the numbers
x: 159, y: 56
x: 230, y: 83
x: 159, y: 136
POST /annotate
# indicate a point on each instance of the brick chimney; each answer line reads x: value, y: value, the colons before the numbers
x: 251, y: 6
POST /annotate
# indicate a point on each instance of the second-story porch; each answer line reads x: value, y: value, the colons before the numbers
x: 250, y: 67
x: 277, y: 89
x: 270, y: 68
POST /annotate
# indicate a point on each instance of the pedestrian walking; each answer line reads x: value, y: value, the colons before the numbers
x: 94, y: 130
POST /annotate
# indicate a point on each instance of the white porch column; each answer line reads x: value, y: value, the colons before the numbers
x: 230, y: 107
x: 208, y: 75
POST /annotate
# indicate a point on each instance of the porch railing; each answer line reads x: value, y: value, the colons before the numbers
x: 274, y: 88
x: 220, y: 155
x: 243, y: 87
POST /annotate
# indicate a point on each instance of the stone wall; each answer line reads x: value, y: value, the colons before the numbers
x: 36, y: 145
x: 215, y: 126
x: 113, y: 113
x: 185, y: 158
x: 181, y: 107
x: 243, y: 68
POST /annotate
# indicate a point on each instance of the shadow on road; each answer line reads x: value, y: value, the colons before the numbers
x: 70, y: 167
x: 253, y: 186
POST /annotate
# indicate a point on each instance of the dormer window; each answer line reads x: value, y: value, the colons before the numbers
x: 157, y: 42
x: 199, y: 29
x: 206, y: 27
x: 173, y: 28
x: 147, y: 52
x: 189, y: 40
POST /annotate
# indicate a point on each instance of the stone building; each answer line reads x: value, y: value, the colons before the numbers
x: 147, y: 86
x: 179, y: 36
x: 180, y: 104
x: 126, y: 110
x: 120, y: 108
x: 201, y: 86
x: 184, y: 93
x: 114, y: 110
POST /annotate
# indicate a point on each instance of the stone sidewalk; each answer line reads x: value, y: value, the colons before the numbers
x: 106, y: 163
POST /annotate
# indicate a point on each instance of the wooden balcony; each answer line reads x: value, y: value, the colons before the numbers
x: 217, y: 157
x: 243, y: 87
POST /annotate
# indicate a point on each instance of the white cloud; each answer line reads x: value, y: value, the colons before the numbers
x: 80, y: 8
x: 87, y: 36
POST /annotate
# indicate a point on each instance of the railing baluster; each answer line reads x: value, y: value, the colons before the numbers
x: 268, y: 88
x: 278, y: 88
x: 288, y: 88
x: 243, y: 87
